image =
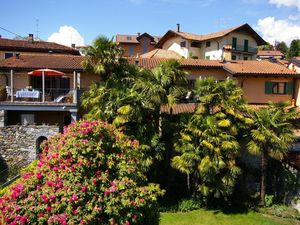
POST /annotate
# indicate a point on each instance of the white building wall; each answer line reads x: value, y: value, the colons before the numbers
x: 174, y: 45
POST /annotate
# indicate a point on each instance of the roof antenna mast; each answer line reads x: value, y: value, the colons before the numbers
x: 37, y: 28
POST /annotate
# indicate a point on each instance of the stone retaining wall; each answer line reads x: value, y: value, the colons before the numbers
x: 18, y: 143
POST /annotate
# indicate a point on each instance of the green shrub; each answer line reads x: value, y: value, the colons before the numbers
x: 90, y: 174
x: 187, y: 205
x: 282, y: 211
x: 269, y: 200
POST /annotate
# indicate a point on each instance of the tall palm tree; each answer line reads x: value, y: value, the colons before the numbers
x: 103, y: 57
x: 271, y: 136
x: 208, y: 144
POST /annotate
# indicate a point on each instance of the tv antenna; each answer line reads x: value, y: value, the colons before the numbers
x: 37, y: 28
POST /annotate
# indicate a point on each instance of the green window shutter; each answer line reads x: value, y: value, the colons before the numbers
x: 234, y: 42
x: 268, y: 87
x: 289, y: 88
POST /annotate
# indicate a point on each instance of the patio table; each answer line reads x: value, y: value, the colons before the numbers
x: 27, y: 94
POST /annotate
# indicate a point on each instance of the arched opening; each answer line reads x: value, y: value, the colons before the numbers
x: 39, y: 141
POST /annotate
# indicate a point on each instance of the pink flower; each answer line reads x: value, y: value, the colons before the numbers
x: 84, y: 188
x: 38, y: 175
x: 48, y: 208
x: 45, y: 199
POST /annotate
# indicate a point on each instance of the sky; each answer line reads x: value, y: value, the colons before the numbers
x: 80, y: 22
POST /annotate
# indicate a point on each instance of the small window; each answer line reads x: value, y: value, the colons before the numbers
x: 128, y: 38
x: 207, y: 44
x: 233, y: 57
x: 8, y: 55
x: 183, y: 44
x: 27, y: 119
x: 245, y: 58
x: 196, y: 44
x: 191, y: 84
x: 207, y: 57
x: 131, y: 51
x: 145, y: 46
x: 279, y: 88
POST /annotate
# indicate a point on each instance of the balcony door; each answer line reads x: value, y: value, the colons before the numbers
x: 54, y: 85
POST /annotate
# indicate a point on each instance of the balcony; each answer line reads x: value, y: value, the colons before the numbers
x: 242, y: 49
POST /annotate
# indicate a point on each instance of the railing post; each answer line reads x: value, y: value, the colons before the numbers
x: 11, y: 85
x: 74, y: 88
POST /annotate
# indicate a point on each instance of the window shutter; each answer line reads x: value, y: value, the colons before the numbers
x: 289, y: 88
x: 268, y: 87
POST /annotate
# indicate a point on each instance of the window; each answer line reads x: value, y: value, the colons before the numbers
x: 234, y: 42
x: 279, y: 88
x: 191, y: 84
x: 196, y: 44
x: 183, y: 44
x: 207, y: 44
x: 8, y: 55
x: 145, y: 46
x: 207, y: 57
x: 131, y: 51
x: 128, y: 38
x: 233, y: 57
x: 245, y: 58
x: 246, y: 45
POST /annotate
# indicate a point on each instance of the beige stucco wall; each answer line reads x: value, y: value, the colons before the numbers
x: 218, y: 74
x: 2, y: 53
x: 254, y: 90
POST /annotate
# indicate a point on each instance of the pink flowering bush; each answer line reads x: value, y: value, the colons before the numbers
x: 90, y: 174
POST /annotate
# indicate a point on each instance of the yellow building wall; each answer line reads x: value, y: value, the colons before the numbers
x: 254, y: 90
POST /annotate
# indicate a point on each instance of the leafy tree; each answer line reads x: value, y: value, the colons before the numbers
x: 281, y: 46
x: 271, y: 136
x: 294, y: 49
x: 90, y: 174
x: 208, y: 144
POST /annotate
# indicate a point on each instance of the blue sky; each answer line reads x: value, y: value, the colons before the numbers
x: 273, y: 19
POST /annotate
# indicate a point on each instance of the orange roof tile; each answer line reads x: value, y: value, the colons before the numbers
x: 269, y: 53
x: 35, y: 46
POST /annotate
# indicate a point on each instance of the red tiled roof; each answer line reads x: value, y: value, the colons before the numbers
x: 71, y: 62
x: 269, y: 53
x: 219, y: 34
x: 35, y: 46
x: 179, y: 108
x: 161, y: 53
x: 30, y: 61
x: 252, y: 67
x: 128, y: 38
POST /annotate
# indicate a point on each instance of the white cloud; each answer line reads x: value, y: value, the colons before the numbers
x: 279, y: 30
x: 67, y: 35
x: 287, y: 3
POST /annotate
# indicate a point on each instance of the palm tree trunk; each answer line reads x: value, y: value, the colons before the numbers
x: 263, y: 183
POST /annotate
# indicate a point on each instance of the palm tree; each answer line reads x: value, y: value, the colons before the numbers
x: 208, y: 145
x: 271, y: 136
x: 103, y: 57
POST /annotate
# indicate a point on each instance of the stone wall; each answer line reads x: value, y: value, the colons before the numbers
x: 18, y: 143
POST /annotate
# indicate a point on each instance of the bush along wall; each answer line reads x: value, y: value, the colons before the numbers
x: 90, y: 174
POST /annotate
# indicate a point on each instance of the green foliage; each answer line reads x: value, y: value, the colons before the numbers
x: 103, y: 57
x: 269, y: 200
x: 294, y: 49
x: 281, y: 46
x: 90, y: 174
x: 186, y: 205
x: 282, y: 211
x: 207, y: 145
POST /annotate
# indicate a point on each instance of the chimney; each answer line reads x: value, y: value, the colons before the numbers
x: 178, y: 27
x: 30, y: 37
x: 73, y: 45
x: 138, y: 33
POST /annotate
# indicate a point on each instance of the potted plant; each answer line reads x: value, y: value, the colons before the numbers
x: 3, y: 93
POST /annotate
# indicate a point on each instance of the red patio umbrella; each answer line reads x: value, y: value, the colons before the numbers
x: 47, y: 72
x: 43, y: 73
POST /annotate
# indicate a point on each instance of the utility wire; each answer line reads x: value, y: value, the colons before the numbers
x: 2, y: 28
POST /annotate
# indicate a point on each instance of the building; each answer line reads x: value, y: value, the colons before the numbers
x: 34, y: 100
x: 268, y: 54
x: 261, y: 81
x: 135, y: 45
x: 11, y: 47
x: 238, y: 43
x: 162, y: 54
